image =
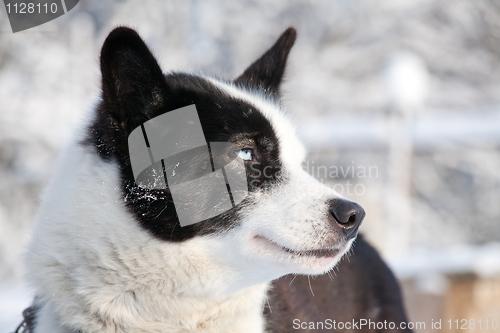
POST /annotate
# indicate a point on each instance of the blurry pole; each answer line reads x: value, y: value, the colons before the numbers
x: 406, y: 85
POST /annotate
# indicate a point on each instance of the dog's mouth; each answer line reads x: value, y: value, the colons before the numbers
x: 313, y: 253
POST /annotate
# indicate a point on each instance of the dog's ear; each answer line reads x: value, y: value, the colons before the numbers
x: 267, y: 72
x: 133, y: 85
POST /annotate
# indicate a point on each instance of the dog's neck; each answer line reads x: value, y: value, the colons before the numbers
x: 95, y: 270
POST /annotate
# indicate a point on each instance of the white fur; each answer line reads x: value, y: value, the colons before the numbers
x: 95, y: 269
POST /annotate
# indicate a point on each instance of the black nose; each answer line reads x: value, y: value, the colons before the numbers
x: 348, y: 215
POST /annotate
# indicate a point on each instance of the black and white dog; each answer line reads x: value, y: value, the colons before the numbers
x: 108, y: 255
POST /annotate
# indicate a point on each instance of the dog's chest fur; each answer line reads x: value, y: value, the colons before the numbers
x: 100, y: 274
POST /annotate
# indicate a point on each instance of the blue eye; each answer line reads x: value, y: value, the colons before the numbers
x: 245, y: 154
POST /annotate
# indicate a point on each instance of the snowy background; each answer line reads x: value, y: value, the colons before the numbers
x: 408, y: 89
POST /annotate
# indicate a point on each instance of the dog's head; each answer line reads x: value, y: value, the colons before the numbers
x: 288, y: 222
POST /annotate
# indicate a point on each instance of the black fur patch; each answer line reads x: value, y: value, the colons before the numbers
x: 135, y: 90
x: 266, y: 73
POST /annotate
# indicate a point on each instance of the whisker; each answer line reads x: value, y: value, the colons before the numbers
x: 161, y: 212
x: 293, y: 279
x: 269, y: 305
x: 309, y: 280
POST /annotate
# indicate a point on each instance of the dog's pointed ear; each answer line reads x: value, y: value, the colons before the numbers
x: 267, y: 72
x: 133, y: 85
